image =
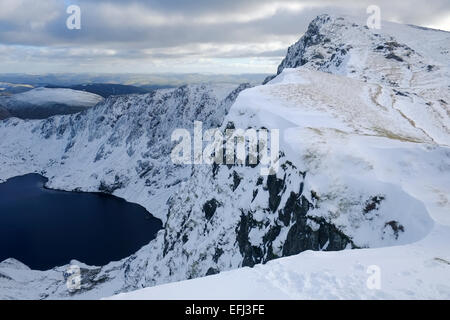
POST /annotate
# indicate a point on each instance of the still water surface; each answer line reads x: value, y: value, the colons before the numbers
x: 46, y: 228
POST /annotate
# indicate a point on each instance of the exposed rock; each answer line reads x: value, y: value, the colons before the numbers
x: 4, y: 113
x: 209, y: 208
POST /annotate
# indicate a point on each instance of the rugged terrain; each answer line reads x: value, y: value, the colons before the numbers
x: 364, y: 164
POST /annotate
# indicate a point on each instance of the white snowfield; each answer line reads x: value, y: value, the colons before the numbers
x: 70, y: 97
x: 42, y: 102
x: 364, y: 124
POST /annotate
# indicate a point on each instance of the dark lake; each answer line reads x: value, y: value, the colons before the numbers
x: 46, y: 228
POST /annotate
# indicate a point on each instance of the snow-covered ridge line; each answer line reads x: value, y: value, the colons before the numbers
x: 59, y: 95
x: 44, y: 102
x: 364, y: 163
x: 397, y: 57
x: 418, y: 271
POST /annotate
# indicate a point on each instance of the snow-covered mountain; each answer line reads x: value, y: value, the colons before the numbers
x: 41, y: 103
x: 365, y: 163
x: 415, y: 271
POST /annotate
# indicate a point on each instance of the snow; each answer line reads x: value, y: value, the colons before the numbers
x: 70, y: 97
x: 416, y: 271
x: 366, y: 143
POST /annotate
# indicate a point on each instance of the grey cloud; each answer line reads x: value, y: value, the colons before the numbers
x: 176, y: 29
x: 100, y: 28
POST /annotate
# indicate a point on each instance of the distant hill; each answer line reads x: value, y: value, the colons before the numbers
x: 109, y: 89
x: 151, y: 87
x: 41, y: 103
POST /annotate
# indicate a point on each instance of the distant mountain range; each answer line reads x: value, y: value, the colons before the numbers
x: 147, y: 81
x: 107, y: 89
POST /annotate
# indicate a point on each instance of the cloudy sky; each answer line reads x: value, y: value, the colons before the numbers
x: 156, y: 36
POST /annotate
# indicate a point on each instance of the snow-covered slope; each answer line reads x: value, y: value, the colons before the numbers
x: 418, y: 271
x: 413, y: 62
x: 44, y: 102
x: 364, y: 163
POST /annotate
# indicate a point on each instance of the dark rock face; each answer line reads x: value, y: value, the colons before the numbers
x: 251, y: 254
x: 275, y: 186
x: 209, y: 208
x: 269, y: 78
x: 295, y: 55
x: 212, y: 271
x: 217, y: 254
x: 373, y: 204
x: 118, y: 183
x: 4, y: 113
x: 236, y: 180
x: 295, y: 208
x: 304, y: 230
x: 394, y: 56
x: 321, y: 236
x: 395, y: 226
